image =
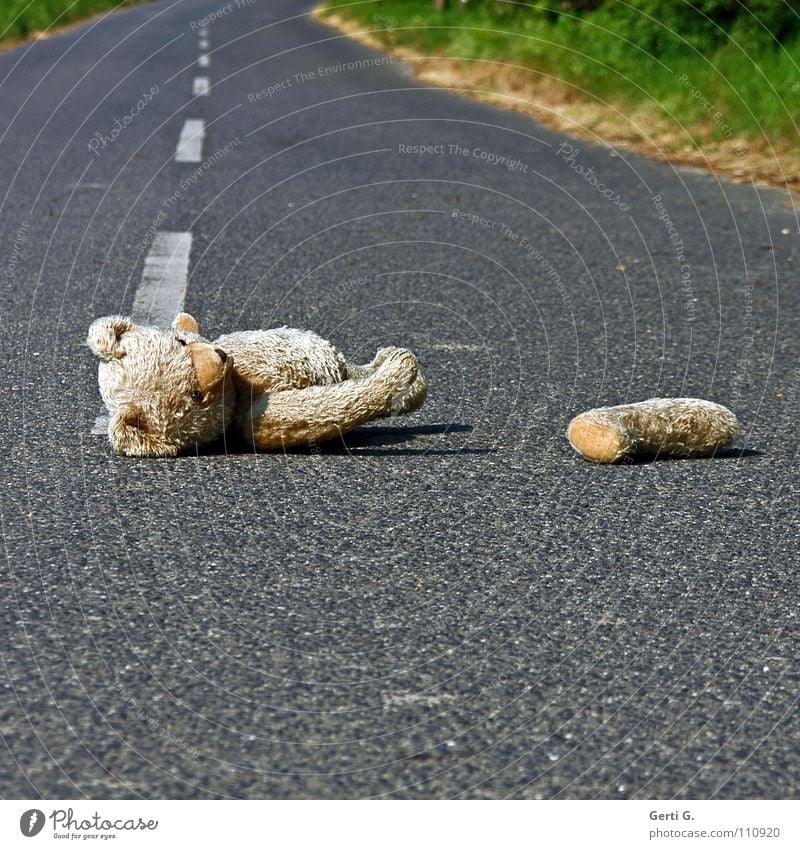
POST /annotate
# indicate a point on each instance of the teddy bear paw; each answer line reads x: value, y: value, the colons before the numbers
x: 406, y: 383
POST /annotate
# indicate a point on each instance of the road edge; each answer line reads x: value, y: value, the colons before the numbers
x: 555, y: 105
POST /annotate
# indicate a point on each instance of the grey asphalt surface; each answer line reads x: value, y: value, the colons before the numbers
x: 451, y: 604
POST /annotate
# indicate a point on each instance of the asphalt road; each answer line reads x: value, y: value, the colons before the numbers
x: 447, y: 605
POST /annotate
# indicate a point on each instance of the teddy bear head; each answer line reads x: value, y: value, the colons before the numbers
x: 165, y: 390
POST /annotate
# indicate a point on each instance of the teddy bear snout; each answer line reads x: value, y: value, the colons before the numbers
x: 211, y: 365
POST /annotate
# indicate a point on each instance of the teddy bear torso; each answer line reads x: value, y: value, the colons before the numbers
x: 279, y: 359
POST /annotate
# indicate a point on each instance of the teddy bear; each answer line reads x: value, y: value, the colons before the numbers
x: 658, y: 427
x: 170, y: 390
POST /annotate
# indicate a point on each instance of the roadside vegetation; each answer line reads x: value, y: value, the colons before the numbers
x: 22, y: 19
x: 724, y: 72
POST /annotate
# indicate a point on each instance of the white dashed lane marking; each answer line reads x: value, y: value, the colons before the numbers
x: 161, y: 293
x: 203, y: 33
x: 101, y: 425
x: 190, y: 142
x: 203, y: 60
x: 200, y: 86
x: 204, y: 44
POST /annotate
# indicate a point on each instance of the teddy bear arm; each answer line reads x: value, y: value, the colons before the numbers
x: 318, y: 413
x: 406, y: 402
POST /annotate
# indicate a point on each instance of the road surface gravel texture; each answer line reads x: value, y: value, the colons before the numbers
x: 451, y: 604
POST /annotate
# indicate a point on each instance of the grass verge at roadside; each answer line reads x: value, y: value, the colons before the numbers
x: 21, y: 20
x: 714, y: 84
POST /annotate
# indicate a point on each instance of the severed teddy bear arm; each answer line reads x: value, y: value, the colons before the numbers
x: 304, y: 416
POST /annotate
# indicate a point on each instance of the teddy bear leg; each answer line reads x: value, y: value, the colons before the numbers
x: 406, y: 402
x: 317, y: 413
x: 658, y: 427
x: 600, y: 437
x: 680, y: 427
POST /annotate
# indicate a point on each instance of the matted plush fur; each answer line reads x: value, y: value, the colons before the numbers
x: 659, y: 427
x: 169, y: 390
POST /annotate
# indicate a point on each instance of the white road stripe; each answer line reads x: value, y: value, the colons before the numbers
x: 161, y: 293
x: 200, y: 86
x: 203, y: 33
x: 203, y: 60
x: 190, y: 142
x: 101, y: 425
x: 204, y: 44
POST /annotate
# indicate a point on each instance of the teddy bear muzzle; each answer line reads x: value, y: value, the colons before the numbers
x: 211, y: 365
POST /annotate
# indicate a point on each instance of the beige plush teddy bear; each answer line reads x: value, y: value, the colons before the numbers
x: 169, y: 390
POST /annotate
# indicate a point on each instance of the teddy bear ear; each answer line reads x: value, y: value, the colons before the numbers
x: 187, y: 323
x: 129, y: 434
x: 105, y: 334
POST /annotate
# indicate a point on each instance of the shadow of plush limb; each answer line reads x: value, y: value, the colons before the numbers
x: 364, y: 441
x: 720, y: 454
x: 373, y: 441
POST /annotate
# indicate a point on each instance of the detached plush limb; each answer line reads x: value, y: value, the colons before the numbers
x: 664, y: 427
x: 405, y: 402
x: 317, y: 413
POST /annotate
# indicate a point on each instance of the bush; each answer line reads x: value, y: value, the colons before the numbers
x: 661, y: 26
x: 741, y: 57
x: 22, y: 18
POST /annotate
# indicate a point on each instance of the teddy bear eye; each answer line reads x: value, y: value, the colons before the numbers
x: 197, y: 396
x: 181, y: 342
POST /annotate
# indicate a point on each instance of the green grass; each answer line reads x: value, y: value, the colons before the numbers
x: 19, y: 19
x: 743, y: 74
